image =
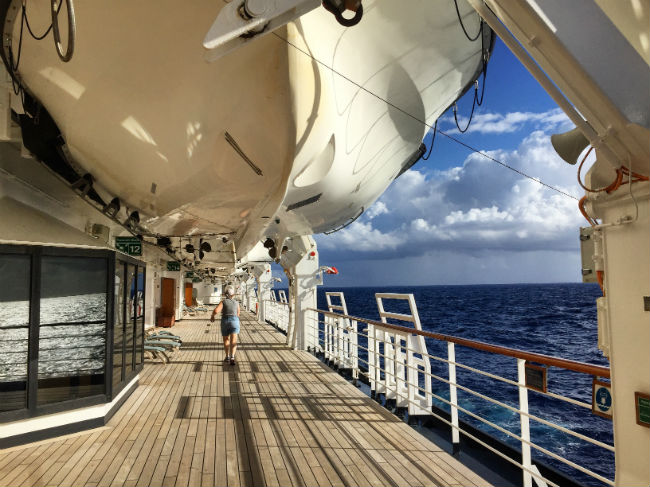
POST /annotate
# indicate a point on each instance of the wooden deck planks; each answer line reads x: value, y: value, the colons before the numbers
x: 277, y: 418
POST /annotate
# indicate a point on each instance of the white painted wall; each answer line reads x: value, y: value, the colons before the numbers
x: 208, y: 293
x: 151, y: 294
x: 307, y: 278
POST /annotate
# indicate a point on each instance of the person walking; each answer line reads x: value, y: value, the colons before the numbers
x: 229, y: 309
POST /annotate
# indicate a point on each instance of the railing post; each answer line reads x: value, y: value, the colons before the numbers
x: 371, y: 357
x: 354, y: 350
x: 453, y: 398
x: 525, y: 422
x: 339, y: 342
x: 326, y: 337
x: 411, y: 376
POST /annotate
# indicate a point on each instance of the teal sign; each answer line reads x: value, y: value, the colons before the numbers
x: 189, y: 274
x: 197, y: 279
x: 602, y: 401
x: 172, y: 265
x: 129, y: 245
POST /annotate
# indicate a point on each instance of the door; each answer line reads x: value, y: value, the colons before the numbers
x: 189, y: 300
x: 167, y: 296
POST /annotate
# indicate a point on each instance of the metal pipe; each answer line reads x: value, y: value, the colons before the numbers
x: 541, y: 77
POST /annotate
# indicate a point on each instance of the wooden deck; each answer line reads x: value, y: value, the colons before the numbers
x: 277, y: 418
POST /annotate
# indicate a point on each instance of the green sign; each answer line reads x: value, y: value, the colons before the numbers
x: 196, y: 279
x: 189, y: 274
x: 172, y: 265
x: 642, y: 409
x: 129, y: 245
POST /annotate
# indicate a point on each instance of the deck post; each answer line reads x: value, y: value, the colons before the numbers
x: 250, y: 294
x: 307, y: 279
x: 264, y: 284
x: 525, y: 422
x: 453, y: 397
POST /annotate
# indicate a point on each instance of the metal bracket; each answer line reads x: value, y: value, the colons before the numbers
x: 240, y: 21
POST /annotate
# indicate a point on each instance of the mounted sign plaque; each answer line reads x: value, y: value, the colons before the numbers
x: 642, y: 402
x: 172, y: 265
x: 602, y: 403
x: 536, y: 377
x: 189, y: 274
x: 129, y: 245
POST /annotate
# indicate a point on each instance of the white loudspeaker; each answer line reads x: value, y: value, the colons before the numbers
x: 569, y: 145
x: 100, y: 232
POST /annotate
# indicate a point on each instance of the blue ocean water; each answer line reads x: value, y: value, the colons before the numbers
x: 552, y: 319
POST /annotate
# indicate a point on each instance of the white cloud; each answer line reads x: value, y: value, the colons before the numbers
x: 472, y: 208
x: 497, y: 123
x: 379, y: 208
x: 361, y: 237
x: 483, y: 215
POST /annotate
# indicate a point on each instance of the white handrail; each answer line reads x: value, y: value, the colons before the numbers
x: 393, y: 371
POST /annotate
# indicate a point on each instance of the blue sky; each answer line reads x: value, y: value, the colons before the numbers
x: 459, y: 218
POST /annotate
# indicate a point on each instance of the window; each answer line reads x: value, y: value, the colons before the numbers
x: 129, y: 322
x: 15, y: 270
x: 72, y: 328
x: 139, y: 316
x: 118, y: 325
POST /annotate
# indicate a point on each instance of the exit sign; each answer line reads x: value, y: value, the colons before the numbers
x: 129, y: 245
x: 172, y: 265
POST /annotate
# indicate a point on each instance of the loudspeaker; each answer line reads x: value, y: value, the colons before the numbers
x: 100, y: 232
x: 569, y: 145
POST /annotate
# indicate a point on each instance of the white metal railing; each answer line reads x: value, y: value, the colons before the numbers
x: 277, y: 313
x: 340, y: 336
x: 402, y: 356
x: 398, y: 365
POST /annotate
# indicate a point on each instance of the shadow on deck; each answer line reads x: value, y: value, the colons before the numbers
x: 279, y: 417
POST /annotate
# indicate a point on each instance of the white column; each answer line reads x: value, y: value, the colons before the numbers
x: 624, y: 325
x: 264, y: 285
x: 453, y: 396
x: 306, y: 280
x: 180, y: 294
x: 153, y: 277
x: 524, y: 421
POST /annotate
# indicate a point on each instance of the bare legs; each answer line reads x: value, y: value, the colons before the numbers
x: 233, y: 344
x: 230, y: 345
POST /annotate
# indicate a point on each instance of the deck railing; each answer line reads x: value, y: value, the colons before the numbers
x: 397, y: 363
x: 277, y: 313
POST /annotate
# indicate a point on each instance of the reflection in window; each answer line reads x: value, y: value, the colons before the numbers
x: 14, y: 329
x: 71, y: 357
x: 139, y: 315
x: 130, y: 317
x: 118, y: 329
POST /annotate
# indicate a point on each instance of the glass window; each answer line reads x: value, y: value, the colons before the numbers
x: 71, y: 357
x: 130, y: 317
x: 139, y: 314
x: 14, y: 330
x: 118, y: 325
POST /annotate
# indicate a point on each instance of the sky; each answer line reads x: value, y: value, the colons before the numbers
x: 460, y: 218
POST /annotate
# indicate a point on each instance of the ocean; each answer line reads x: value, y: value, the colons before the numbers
x: 63, y: 350
x: 552, y: 319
